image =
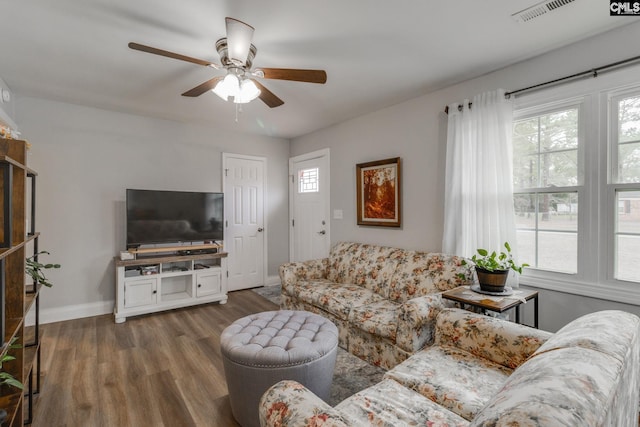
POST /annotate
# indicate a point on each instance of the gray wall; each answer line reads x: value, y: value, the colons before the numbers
x: 416, y: 132
x: 556, y: 309
x: 87, y: 157
x: 405, y: 131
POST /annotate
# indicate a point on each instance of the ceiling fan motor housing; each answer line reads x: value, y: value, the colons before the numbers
x: 223, y: 51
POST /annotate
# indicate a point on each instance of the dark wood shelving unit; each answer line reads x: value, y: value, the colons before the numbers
x: 32, y: 340
x: 17, y: 297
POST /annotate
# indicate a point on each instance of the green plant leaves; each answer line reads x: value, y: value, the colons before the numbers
x: 35, y: 269
x: 5, y: 377
x: 495, y: 261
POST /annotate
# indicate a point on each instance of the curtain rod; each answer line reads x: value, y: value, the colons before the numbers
x: 588, y: 73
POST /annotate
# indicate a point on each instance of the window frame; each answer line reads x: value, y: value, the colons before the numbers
x: 596, y: 224
x: 579, y: 188
x: 612, y: 186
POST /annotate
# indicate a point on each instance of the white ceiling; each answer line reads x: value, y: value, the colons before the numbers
x: 376, y: 52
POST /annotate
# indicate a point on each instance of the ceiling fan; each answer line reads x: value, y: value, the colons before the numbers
x: 236, y: 57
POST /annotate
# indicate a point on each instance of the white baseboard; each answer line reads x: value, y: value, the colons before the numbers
x: 78, y: 311
x: 272, y: 280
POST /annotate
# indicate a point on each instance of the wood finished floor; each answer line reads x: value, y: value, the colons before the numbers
x: 158, y: 370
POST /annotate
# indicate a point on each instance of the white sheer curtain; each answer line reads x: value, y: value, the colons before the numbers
x: 479, y: 188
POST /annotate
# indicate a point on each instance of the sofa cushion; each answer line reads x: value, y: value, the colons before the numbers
x: 342, y: 256
x: 370, y: 266
x: 388, y: 404
x: 506, y: 343
x: 311, y: 270
x: 453, y: 378
x: 337, y: 299
x: 420, y: 273
x: 565, y: 387
x: 593, y: 331
x: 375, y: 349
x: 306, y: 287
x: 378, y: 318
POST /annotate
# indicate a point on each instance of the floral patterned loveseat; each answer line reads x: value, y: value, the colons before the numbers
x: 484, y: 371
x: 384, y: 300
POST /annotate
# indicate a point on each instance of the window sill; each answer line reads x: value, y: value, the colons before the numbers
x: 624, y: 292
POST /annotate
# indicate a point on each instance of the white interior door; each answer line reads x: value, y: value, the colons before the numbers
x: 309, y: 197
x: 244, y: 234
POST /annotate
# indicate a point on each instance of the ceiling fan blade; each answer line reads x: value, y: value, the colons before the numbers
x: 156, y: 51
x: 308, y: 76
x: 200, y: 89
x: 239, y: 37
x: 267, y: 96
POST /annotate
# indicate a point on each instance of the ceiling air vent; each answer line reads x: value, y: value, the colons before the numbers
x: 539, y: 9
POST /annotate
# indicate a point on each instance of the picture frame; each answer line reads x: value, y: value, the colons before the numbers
x: 378, y: 192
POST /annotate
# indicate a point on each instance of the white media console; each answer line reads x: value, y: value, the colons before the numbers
x: 157, y: 283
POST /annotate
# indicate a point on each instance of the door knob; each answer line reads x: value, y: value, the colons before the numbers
x: 322, y: 232
x: 260, y: 230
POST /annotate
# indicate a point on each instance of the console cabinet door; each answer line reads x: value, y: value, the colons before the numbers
x: 208, y: 283
x: 140, y: 292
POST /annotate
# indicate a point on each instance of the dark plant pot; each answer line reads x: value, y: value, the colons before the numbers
x: 492, y: 281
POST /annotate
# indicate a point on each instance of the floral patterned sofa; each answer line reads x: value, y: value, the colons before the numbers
x: 384, y: 300
x: 484, y: 371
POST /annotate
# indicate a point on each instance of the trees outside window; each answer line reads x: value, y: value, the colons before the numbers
x: 546, y: 182
x: 625, y: 184
x: 576, y: 176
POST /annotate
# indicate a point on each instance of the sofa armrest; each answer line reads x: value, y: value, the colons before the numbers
x: 292, y: 272
x: 501, y: 341
x: 289, y: 403
x: 571, y: 386
x: 417, y: 322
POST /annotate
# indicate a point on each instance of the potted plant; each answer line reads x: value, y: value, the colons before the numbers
x: 36, y: 269
x: 493, y: 268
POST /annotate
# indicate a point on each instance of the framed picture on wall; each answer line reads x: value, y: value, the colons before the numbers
x: 379, y: 193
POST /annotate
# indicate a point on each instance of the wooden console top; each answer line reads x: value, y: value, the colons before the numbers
x: 166, y: 259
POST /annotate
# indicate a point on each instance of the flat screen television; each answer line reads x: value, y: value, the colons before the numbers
x: 155, y: 217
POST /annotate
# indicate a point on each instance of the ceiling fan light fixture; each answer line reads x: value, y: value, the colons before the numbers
x: 229, y: 86
x: 239, y: 35
x: 248, y: 92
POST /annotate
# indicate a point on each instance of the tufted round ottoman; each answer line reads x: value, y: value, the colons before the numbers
x: 261, y: 349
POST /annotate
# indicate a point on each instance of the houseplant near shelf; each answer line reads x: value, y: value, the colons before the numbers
x: 6, y: 378
x: 493, y: 268
x: 35, y: 269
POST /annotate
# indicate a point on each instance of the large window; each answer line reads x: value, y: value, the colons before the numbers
x: 625, y: 183
x: 576, y: 176
x: 546, y: 183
